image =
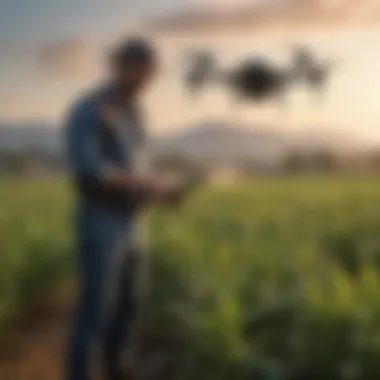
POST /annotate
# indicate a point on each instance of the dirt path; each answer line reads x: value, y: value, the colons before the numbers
x: 36, y: 347
x: 37, y: 343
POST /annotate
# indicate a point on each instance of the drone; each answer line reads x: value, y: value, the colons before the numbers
x: 257, y: 79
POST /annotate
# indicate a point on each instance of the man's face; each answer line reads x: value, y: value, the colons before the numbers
x: 133, y: 77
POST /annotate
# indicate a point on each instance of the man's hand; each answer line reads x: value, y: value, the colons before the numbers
x: 175, y: 193
x: 175, y: 196
x: 165, y: 194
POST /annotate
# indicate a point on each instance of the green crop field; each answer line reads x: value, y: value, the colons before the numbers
x: 274, y: 279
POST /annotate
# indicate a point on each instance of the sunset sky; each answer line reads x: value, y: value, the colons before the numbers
x: 51, y: 50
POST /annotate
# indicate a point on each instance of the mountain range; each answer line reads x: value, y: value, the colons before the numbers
x: 228, y: 141
x: 30, y: 136
x: 211, y: 140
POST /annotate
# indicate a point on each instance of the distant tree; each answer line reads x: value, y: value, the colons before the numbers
x: 374, y: 161
x: 249, y: 168
x: 30, y: 161
x: 323, y: 161
x: 14, y: 162
x: 294, y: 162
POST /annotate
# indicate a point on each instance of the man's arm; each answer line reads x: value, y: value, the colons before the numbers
x: 84, y: 157
x: 88, y: 166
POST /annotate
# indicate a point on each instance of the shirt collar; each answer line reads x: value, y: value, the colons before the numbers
x: 114, y: 98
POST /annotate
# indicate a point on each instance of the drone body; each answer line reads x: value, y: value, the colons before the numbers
x: 257, y: 80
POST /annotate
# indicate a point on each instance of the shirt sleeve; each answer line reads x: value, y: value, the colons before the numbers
x: 83, y: 153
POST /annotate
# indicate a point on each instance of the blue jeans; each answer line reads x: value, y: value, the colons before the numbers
x: 108, y: 274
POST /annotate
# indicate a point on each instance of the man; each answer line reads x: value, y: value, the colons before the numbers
x: 105, y: 149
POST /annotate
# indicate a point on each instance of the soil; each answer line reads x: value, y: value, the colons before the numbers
x: 36, y: 346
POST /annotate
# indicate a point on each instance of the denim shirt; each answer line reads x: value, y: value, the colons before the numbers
x: 96, y: 141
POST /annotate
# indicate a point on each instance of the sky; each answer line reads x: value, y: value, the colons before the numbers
x: 28, y: 27
x: 52, y: 50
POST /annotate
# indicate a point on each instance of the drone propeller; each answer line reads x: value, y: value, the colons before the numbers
x: 201, y: 65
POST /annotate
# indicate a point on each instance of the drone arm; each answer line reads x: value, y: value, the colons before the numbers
x: 201, y: 73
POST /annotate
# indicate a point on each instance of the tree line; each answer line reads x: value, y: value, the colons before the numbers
x: 291, y: 163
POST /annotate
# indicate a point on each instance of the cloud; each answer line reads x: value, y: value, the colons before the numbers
x: 211, y: 15
x: 73, y: 57
x: 231, y: 5
x: 13, y: 107
x: 27, y: 106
